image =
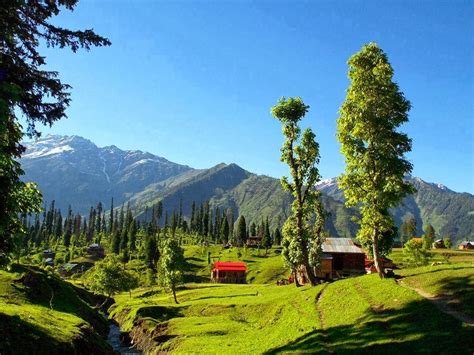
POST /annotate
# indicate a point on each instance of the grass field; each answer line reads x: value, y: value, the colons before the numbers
x: 354, y: 315
x: 445, y: 256
x: 263, y: 267
x: 453, y: 281
x: 362, y: 314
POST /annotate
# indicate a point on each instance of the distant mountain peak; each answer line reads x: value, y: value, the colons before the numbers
x: 327, y: 183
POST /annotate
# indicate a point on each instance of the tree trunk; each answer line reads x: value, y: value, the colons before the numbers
x: 174, y: 296
x: 310, y: 274
x: 295, y: 276
x: 375, y: 249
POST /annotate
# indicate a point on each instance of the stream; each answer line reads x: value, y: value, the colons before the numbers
x: 114, y: 339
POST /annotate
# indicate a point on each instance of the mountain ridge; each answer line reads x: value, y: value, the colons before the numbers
x: 73, y: 168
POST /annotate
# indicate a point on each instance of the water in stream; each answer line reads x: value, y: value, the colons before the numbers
x: 114, y: 339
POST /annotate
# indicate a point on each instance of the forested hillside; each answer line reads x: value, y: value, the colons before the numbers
x: 73, y: 170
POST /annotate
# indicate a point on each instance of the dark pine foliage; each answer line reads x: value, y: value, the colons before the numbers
x: 39, y: 95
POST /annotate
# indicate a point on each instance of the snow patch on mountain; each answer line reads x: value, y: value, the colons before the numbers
x: 325, y: 183
x: 38, y: 153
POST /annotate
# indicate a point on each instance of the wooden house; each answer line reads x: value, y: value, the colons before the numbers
x: 48, y: 254
x: 96, y: 250
x: 254, y: 241
x: 229, y: 272
x: 49, y: 262
x: 466, y: 245
x: 439, y: 244
x: 340, y: 258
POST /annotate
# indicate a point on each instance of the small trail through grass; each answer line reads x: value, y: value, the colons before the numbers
x: 325, y: 336
x: 442, y: 303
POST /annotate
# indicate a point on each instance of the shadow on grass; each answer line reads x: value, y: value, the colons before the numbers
x: 48, y: 290
x: 191, y: 272
x: 461, y: 292
x: 230, y: 296
x: 439, y: 269
x: 417, y: 328
x: 160, y: 313
x: 20, y: 337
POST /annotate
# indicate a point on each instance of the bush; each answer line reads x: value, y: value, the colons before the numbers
x: 415, y: 253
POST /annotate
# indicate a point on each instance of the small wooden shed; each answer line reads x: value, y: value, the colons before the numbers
x: 466, y: 245
x: 96, y: 250
x: 439, y: 244
x: 254, y: 241
x: 231, y: 272
x: 341, y: 257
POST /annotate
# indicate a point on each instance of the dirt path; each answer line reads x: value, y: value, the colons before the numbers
x: 442, y: 304
x: 322, y: 322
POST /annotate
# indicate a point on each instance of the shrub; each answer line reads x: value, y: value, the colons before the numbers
x: 415, y: 253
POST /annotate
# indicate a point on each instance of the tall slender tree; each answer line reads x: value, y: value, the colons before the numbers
x: 301, y: 153
x: 374, y: 149
x: 241, y: 230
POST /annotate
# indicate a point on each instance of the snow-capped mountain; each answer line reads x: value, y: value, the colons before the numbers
x: 73, y: 170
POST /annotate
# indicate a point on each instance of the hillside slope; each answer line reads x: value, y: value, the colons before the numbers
x: 41, y: 314
x: 355, y: 315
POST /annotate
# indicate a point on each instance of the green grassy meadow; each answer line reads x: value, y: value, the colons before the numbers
x: 354, y: 315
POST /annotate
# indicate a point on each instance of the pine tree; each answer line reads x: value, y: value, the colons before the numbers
x: 411, y: 227
x: 132, y: 236
x: 241, y: 230
x: 277, y: 236
x: 116, y: 241
x: 159, y: 211
x: 111, y: 217
x: 68, y: 228
x: 253, y: 229
x: 98, y: 221
x: 267, y: 238
x: 193, y: 217
x: 152, y: 253
x: 124, y: 240
x: 224, y: 233
x: 58, y: 228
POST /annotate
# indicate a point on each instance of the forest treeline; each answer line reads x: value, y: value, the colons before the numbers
x: 123, y: 233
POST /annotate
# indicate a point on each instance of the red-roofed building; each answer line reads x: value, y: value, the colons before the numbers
x: 231, y: 272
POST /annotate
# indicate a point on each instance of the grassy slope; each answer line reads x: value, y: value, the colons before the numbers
x: 360, y: 315
x: 262, y: 268
x: 454, y: 281
x: 225, y: 318
x: 352, y: 315
x: 29, y: 325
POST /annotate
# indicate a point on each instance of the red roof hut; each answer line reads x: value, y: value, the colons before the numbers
x: 229, y: 272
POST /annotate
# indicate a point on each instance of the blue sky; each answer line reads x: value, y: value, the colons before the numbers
x: 193, y: 81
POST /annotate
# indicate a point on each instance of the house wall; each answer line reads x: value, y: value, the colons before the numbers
x: 235, y: 277
x: 348, y: 263
x: 325, y: 271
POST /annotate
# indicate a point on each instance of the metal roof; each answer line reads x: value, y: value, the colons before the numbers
x: 341, y: 245
x: 230, y: 266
